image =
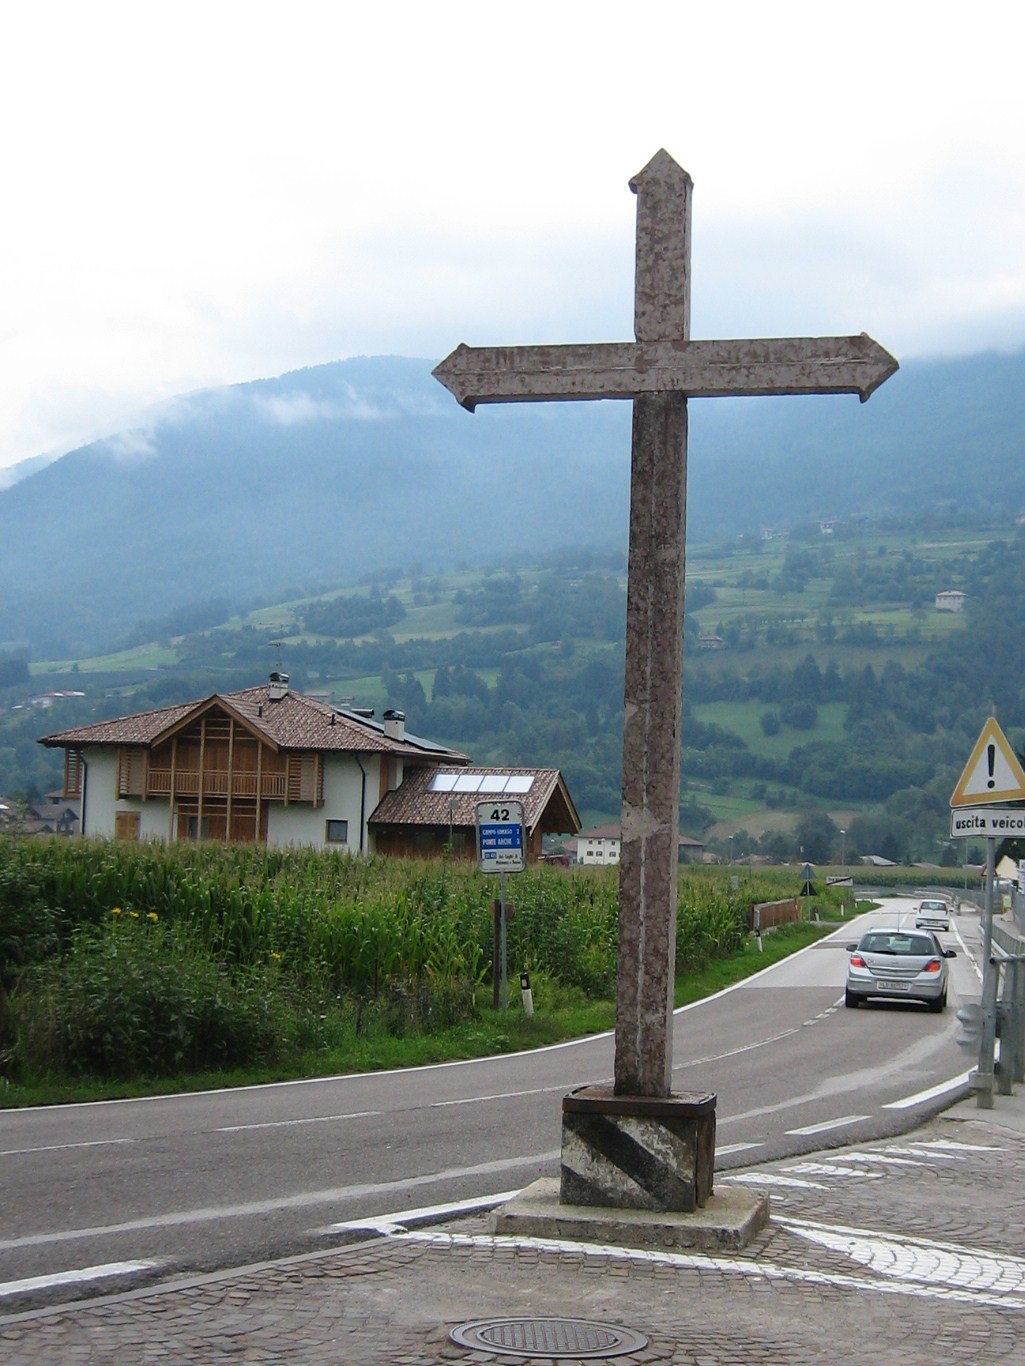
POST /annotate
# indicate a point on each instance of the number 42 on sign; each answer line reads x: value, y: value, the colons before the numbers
x: 500, y: 843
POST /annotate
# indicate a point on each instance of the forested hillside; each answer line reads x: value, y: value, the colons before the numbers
x: 290, y: 486
x: 823, y: 689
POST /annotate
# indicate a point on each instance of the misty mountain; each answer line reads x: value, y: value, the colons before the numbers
x: 285, y: 486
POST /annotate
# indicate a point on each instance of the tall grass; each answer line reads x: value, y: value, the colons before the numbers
x: 119, y: 958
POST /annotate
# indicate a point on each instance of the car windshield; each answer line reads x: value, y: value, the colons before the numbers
x: 917, y: 945
x: 932, y: 906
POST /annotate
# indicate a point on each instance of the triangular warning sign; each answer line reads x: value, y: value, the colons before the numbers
x: 992, y: 774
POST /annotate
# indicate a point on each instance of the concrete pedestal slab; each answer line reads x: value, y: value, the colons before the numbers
x: 727, y: 1221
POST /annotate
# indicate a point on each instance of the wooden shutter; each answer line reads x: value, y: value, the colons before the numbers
x: 305, y: 781
x: 131, y: 773
x: 126, y: 825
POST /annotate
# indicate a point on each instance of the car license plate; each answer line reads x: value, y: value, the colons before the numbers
x: 893, y: 986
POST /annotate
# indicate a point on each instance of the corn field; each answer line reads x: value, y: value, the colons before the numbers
x: 142, y: 959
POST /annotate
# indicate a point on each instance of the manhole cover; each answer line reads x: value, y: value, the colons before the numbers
x: 549, y: 1337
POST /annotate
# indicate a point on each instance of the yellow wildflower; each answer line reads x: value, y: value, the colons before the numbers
x: 115, y: 910
x: 152, y: 915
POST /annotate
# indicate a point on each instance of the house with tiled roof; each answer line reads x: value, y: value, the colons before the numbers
x: 437, y: 808
x: 271, y: 765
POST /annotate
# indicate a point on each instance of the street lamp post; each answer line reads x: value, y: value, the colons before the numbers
x: 843, y: 848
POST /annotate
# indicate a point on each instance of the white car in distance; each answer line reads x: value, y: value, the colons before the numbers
x: 932, y: 914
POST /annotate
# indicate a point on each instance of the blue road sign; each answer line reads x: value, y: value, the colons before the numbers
x: 501, y: 847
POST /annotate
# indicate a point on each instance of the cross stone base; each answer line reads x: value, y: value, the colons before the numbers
x: 637, y: 1152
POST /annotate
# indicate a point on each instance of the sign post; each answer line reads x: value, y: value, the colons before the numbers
x: 501, y: 849
x: 993, y: 773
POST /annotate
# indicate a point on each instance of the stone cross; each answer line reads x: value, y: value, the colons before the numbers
x: 658, y: 371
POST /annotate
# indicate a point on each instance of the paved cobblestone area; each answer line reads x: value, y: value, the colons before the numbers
x: 908, y: 1251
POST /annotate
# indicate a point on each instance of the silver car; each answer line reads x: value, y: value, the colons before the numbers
x: 901, y: 965
x: 932, y: 914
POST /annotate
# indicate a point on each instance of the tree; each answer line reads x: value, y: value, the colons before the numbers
x: 816, y: 832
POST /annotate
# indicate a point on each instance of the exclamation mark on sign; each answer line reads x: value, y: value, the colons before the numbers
x: 991, y: 754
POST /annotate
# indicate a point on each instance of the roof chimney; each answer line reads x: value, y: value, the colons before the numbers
x: 395, y: 725
x: 278, y: 686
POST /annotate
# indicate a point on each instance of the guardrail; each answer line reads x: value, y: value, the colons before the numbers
x: 1009, y: 950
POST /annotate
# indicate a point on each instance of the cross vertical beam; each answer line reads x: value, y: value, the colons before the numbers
x: 657, y: 371
x: 653, y: 699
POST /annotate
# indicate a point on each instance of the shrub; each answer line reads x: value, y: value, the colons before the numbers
x: 138, y: 998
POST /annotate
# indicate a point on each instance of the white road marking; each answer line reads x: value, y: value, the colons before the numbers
x: 735, y: 1052
x: 83, y: 1274
x: 498, y: 1095
x: 855, y: 1155
x: 828, y: 1169
x: 908, y: 1151
x: 924, y: 1154
x: 968, y: 952
x: 736, y: 1148
x: 291, y: 1123
x: 771, y: 1179
x: 307, y: 1199
x: 918, y: 1259
x: 64, y: 1147
x: 828, y: 1124
x: 725, y: 1266
x: 959, y: 1147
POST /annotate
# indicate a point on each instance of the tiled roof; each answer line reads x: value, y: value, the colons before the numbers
x: 414, y: 803
x: 291, y: 722
x: 123, y: 730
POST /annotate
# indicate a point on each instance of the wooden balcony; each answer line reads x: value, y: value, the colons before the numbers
x: 216, y: 783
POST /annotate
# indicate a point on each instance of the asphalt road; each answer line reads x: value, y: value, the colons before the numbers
x: 118, y: 1192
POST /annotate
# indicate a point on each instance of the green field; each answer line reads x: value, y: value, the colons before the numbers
x: 744, y: 719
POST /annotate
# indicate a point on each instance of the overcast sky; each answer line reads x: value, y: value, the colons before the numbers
x: 203, y: 193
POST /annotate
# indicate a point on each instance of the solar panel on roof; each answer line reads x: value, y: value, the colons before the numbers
x: 481, y: 782
x: 494, y: 782
x: 443, y: 782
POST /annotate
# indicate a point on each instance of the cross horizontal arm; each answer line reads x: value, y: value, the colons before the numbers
x: 699, y: 369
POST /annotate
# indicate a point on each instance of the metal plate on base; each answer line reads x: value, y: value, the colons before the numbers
x: 549, y: 1337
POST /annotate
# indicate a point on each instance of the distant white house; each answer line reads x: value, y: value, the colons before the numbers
x: 950, y: 600
x: 602, y: 846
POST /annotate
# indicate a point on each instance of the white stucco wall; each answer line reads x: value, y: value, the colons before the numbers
x: 306, y: 825
x: 102, y: 803
x: 299, y: 824
x: 100, y: 791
